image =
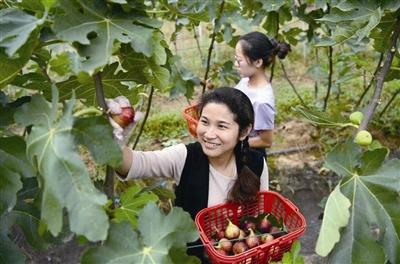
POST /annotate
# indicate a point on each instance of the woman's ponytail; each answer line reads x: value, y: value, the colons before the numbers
x: 280, y: 48
x: 247, y: 185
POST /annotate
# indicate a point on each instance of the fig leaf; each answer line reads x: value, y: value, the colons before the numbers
x: 51, y: 149
x: 372, y: 185
x: 159, y: 233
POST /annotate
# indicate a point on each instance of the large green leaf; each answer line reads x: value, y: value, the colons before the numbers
x: 356, y: 18
x: 154, y: 74
x: 95, y: 133
x: 66, y: 183
x: 344, y: 158
x: 83, y: 85
x: 13, y: 156
x: 9, y: 252
x: 381, y: 33
x: 13, y: 166
x: 371, y: 160
x: 272, y: 5
x: 132, y: 201
x: 15, y: 28
x: 10, y: 66
x: 27, y: 217
x: 10, y: 184
x: 159, y: 233
x: 321, y: 118
x: 373, y: 189
x: 336, y: 216
x: 33, y: 81
x: 97, y: 28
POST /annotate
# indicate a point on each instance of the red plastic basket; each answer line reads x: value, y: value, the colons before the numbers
x: 191, y: 115
x: 268, y: 202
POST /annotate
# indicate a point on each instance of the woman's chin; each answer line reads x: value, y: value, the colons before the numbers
x: 210, y: 151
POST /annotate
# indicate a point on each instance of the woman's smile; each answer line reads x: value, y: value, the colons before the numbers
x: 211, y: 145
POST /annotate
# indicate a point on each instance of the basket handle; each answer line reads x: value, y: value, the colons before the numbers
x: 292, y: 204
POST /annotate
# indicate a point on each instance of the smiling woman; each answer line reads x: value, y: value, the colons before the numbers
x: 219, y: 167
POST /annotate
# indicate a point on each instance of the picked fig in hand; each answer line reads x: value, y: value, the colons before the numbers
x: 124, y: 118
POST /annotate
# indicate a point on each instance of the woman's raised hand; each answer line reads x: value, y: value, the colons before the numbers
x: 123, y: 118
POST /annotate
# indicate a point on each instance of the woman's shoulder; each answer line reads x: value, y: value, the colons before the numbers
x: 242, y: 84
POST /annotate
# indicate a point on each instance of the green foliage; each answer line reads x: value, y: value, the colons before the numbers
x: 96, y: 31
x: 131, y: 201
x: 50, y: 145
x: 15, y: 32
x: 285, y: 104
x: 336, y: 215
x: 321, y: 118
x: 293, y: 256
x: 372, y: 186
x: 355, y: 20
x: 165, y: 126
x: 157, y: 234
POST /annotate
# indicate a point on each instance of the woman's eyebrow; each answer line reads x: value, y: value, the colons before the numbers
x: 224, y: 122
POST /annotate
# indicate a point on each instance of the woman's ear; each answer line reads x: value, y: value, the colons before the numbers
x: 258, y: 63
x: 246, y: 132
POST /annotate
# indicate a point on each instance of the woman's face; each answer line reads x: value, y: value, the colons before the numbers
x: 242, y: 63
x: 217, y: 131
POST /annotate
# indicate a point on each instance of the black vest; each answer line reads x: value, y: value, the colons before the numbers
x: 192, y: 191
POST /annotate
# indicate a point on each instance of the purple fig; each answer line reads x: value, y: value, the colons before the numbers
x: 265, y: 225
x: 252, y: 239
x: 239, y: 247
x: 249, y: 224
x: 218, y: 233
x: 225, y: 244
x: 222, y: 252
x: 266, y: 238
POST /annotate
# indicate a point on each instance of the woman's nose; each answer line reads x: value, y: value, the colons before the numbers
x: 210, y: 132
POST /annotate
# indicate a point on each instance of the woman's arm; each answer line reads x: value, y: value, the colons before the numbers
x: 264, y: 179
x: 127, y: 157
x: 262, y: 140
x: 168, y: 162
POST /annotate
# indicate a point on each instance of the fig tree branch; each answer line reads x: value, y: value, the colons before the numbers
x: 292, y: 85
x: 330, y: 55
x: 390, y: 101
x: 197, y: 42
x: 98, y: 84
x: 371, y: 81
x: 108, y: 186
x: 145, y: 117
x: 370, y: 109
x: 316, y: 81
x: 211, y: 47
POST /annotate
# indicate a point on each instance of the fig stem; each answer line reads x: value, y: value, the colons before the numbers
x: 88, y: 111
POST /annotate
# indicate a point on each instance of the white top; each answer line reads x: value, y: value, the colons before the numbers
x: 263, y: 101
x: 169, y: 163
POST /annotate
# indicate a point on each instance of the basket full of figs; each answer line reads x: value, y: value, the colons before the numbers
x: 256, y: 232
